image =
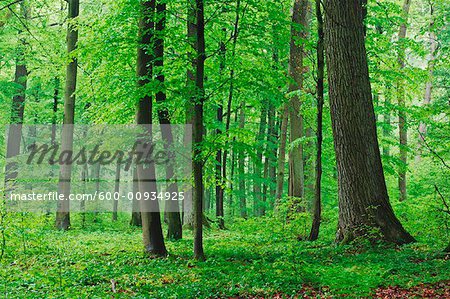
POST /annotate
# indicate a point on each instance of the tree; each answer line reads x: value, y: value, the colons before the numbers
x: 317, y: 208
x: 62, y: 214
x: 17, y: 106
x: 296, y: 70
x: 402, y: 126
x: 363, y: 199
x: 151, y: 220
x: 198, y: 130
x: 175, y: 230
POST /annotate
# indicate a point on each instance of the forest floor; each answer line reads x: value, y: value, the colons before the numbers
x: 256, y: 258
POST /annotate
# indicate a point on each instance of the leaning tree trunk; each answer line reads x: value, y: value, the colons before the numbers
x: 402, y: 127
x: 296, y: 69
x: 241, y: 168
x: 317, y: 205
x: 363, y: 198
x: 62, y: 213
x: 151, y: 220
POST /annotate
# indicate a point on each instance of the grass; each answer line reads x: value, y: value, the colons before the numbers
x: 252, y: 257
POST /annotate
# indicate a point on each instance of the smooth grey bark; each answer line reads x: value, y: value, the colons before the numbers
x: 65, y: 174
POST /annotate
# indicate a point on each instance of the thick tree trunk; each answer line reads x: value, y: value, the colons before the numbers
x: 296, y: 69
x: 363, y: 199
x: 151, y: 220
x: 198, y: 132
x: 282, y: 151
x: 317, y: 204
x: 173, y: 215
x: 402, y: 126
x: 62, y: 214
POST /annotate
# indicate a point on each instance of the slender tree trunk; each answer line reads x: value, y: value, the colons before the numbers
x: 402, y: 126
x: 151, y: 220
x: 258, y: 164
x: 363, y: 198
x: 317, y: 204
x: 188, y: 216
x: 219, y: 180
x: 296, y: 70
x: 230, y: 98
x: 17, y: 108
x: 429, y: 85
x: 116, y: 191
x: 387, y: 121
x: 282, y: 151
x: 198, y: 132
x: 62, y: 214
x: 241, y: 166
x: 136, y: 219
x: 173, y: 214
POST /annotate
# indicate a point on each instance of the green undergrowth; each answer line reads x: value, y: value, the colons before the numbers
x: 251, y: 257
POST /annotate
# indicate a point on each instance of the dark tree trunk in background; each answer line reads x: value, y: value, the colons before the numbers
x: 219, y: 180
x: 151, y: 220
x: 387, y: 121
x: 62, y: 214
x: 402, y: 126
x: 17, y: 108
x: 174, y: 230
x: 258, y: 164
x: 296, y: 70
x: 363, y: 199
x: 241, y: 168
x: 230, y: 100
x: 198, y: 132
x: 317, y: 204
x: 135, y: 213
x: 282, y: 151
x: 116, y: 191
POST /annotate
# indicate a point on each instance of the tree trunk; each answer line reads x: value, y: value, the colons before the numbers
x: 174, y: 230
x: 136, y: 219
x: 429, y: 85
x: 230, y: 100
x: 188, y: 217
x: 317, y: 204
x: 402, y: 126
x: 17, y: 109
x: 116, y: 191
x: 241, y: 168
x: 296, y: 69
x: 282, y: 151
x: 258, y: 164
x: 363, y: 198
x: 198, y: 132
x: 151, y: 220
x: 62, y: 214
